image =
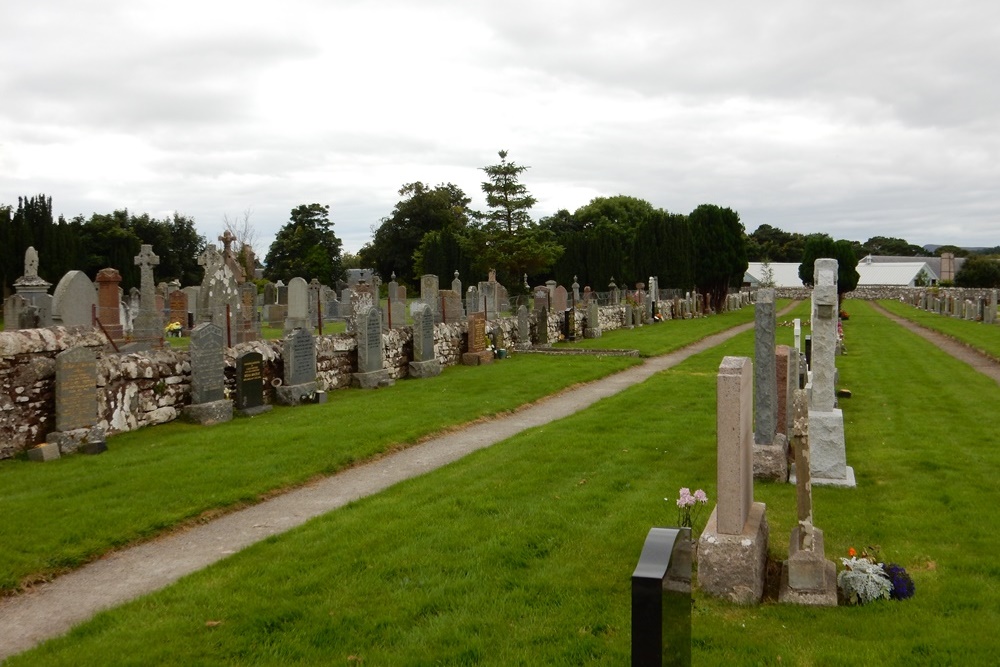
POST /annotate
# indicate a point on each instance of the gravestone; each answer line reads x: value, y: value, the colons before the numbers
x: 73, y: 300
x: 209, y: 404
x: 826, y: 420
x: 148, y: 325
x: 473, y: 304
x: 372, y: 373
x: 523, y: 329
x: 76, y: 404
x: 569, y: 324
x: 270, y: 294
x: 250, y: 384
x: 559, y: 300
x: 299, y: 361
x: 797, y: 334
x: 593, y: 329
x: 542, y: 326
x: 451, y: 307
x: 661, y: 599
x: 628, y: 317
x: 282, y: 290
x: 362, y: 297
x: 770, y: 449
x: 249, y: 325
x: 477, y: 353
x: 732, y: 550
x: 456, y: 287
x: 614, y: 294
x: 425, y: 363
x: 179, y: 309
x: 807, y: 577
x: 429, y: 292
x: 34, y: 307
x: 540, y: 298
x: 298, y: 305
x: 219, y: 292
x: 109, y: 302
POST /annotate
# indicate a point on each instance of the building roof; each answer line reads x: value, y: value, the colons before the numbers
x: 894, y: 273
x: 934, y: 263
x: 785, y: 274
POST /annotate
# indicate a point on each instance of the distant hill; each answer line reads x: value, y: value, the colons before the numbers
x: 930, y: 247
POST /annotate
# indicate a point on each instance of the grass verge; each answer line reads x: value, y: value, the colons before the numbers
x: 979, y: 336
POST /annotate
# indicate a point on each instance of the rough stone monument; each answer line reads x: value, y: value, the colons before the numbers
x: 732, y: 550
x: 770, y: 448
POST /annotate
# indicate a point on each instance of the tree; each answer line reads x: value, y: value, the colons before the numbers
x: 953, y: 249
x: 887, y: 245
x: 306, y: 247
x: 767, y: 242
x: 822, y: 246
x: 720, y: 254
x: 507, y: 239
x: 422, y: 211
x: 979, y: 271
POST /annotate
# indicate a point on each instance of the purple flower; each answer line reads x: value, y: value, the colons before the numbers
x: 902, y: 583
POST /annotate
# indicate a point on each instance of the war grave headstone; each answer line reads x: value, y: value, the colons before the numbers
x: 523, y: 329
x: 807, y: 577
x: 425, y: 363
x: 477, y: 351
x: 372, y: 373
x: 76, y: 408
x: 250, y: 384
x: 209, y: 404
x: 73, y: 300
x: 298, y: 305
x: 109, y: 302
x: 770, y: 448
x: 451, y: 307
x: 732, y: 550
x: 298, y: 357
x: 826, y: 420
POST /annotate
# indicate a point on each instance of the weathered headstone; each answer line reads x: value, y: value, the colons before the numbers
x: 826, y: 421
x: 473, y: 304
x: 770, y: 449
x: 76, y: 404
x: 372, y: 373
x: 542, y: 326
x: 250, y: 384
x: 456, y: 285
x: 429, y: 292
x: 298, y: 305
x: 148, y: 325
x: 34, y: 306
x: 559, y: 300
x: 73, y: 300
x: 523, y: 328
x: 732, y: 550
x: 109, y: 302
x: 478, y: 352
x: 425, y: 363
x: 807, y: 577
x: 540, y: 298
x: 179, y: 309
x: 299, y: 360
x: 450, y: 307
x: 209, y: 404
x: 593, y: 329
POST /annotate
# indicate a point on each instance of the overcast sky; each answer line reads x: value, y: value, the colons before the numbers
x: 851, y: 118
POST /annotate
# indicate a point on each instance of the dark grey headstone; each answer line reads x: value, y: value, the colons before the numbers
x: 207, y: 364
x: 76, y: 389
x: 523, y: 331
x: 299, y: 357
x: 250, y: 381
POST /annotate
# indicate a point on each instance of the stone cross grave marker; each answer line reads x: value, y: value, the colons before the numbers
x: 147, y: 324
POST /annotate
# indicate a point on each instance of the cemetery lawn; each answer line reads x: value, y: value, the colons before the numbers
x: 979, y: 336
x: 521, y: 554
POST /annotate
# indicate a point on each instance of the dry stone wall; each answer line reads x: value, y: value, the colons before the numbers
x: 146, y: 388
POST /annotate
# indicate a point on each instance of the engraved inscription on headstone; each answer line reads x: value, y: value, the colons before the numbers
x: 370, y: 342
x: 423, y: 335
x: 477, y: 332
x: 300, y: 357
x: 207, y: 364
x: 250, y: 381
x: 76, y: 389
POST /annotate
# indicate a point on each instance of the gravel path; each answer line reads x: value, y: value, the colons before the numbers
x: 979, y: 361
x: 51, y: 609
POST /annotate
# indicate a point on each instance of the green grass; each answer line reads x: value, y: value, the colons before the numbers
x: 980, y: 336
x: 521, y: 554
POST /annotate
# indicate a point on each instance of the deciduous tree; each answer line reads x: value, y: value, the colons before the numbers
x: 306, y: 247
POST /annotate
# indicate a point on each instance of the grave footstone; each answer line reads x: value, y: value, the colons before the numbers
x: 209, y: 404
x: 250, y: 384
x: 732, y: 550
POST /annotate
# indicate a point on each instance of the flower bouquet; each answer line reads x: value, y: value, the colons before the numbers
x: 865, y: 579
x: 689, y: 506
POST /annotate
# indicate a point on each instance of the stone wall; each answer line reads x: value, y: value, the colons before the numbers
x: 146, y: 388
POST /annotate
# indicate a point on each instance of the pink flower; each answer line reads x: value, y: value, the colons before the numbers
x: 700, y: 496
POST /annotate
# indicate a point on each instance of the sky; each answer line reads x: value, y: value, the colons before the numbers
x: 856, y: 119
